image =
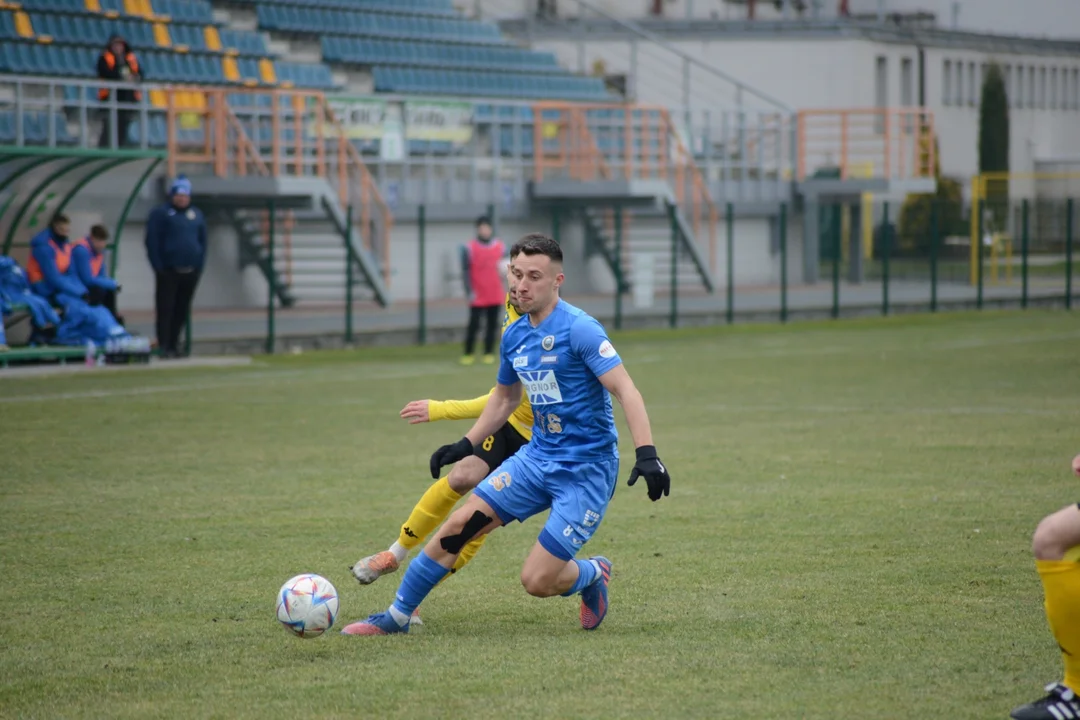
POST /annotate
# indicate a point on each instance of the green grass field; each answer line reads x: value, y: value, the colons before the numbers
x: 847, y: 534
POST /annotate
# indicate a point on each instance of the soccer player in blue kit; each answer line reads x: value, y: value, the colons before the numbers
x: 569, y: 369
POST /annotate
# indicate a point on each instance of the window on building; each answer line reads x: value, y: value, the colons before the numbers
x: 1018, y: 101
x: 959, y: 96
x: 973, y: 89
x: 1006, y: 77
x: 1076, y: 88
x: 907, y: 83
x: 1041, y: 102
x: 1031, y: 87
x: 946, y: 83
x: 881, y: 91
x: 1053, y: 100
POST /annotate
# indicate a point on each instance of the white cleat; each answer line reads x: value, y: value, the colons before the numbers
x: 415, y: 620
x: 373, y: 567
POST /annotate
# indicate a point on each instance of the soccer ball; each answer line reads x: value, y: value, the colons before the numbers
x: 307, y: 605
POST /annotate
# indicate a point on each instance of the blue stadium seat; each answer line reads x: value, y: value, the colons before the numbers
x: 455, y: 82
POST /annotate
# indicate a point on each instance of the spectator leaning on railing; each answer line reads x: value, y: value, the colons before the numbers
x: 118, y: 64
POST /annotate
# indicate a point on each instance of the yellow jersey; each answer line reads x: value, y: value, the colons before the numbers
x: 521, y: 420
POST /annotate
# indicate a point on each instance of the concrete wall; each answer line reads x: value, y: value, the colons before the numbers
x: 842, y: 73
x: 1038, y: 18
x: 223, y: 286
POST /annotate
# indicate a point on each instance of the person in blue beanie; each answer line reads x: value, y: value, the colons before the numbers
x: 176, y: 247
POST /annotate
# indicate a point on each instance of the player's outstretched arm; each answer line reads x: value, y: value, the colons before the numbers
x: 500, y: 406
x: 647, y: 465
x: 422, y: 411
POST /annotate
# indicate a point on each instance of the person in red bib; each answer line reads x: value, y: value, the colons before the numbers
x: 50, y: 259
x: 88, y: 265
x: 483, y: 276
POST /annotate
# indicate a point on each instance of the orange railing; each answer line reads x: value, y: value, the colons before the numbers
x: 278, y: 133
x: 894, y: 143
x: 594, y: 142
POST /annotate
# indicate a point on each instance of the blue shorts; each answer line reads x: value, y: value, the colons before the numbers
x: 577, y: 493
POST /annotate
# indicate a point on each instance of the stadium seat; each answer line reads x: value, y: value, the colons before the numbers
x: 454, y: 82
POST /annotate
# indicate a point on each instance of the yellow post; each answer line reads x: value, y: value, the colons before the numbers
x: 976, y: 195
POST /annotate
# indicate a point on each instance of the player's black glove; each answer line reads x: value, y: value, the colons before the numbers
x: 450, y: 454
x: 656, y: 476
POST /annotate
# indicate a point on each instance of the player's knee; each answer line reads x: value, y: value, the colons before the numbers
x: 1048, y: 542
x: 466, y: 475
x: 462, y: 527
x: 537, y: 583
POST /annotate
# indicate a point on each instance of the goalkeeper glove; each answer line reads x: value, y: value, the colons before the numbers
x: 450, y: 454
x: 656, y: 476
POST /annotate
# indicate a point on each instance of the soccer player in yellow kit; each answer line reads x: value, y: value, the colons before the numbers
x: 1056, y: 546
x: 435, y: 504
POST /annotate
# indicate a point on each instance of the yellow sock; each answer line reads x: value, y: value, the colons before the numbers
x: 1061, y: 585
x: 468, y: 553
x: 433, y: 508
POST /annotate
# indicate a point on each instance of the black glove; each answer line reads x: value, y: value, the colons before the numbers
x: 656, y: 476
x: 450, y: 454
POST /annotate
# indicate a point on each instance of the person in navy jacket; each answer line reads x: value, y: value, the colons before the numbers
x: 88, y: 265
x: 176, y: 247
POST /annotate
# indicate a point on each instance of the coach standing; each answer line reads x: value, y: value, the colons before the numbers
x: 484, y: 288
x: 176, y: 246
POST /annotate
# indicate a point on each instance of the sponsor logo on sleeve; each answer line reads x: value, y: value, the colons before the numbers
x: 607, y: 350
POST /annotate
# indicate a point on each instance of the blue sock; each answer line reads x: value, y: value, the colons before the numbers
x: 422, y: 575
x: 588, y: 571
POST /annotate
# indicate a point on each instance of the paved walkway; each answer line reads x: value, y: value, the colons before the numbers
x: 246, y: 330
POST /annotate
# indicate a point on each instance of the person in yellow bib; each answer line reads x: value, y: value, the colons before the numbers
x: 435, y: 505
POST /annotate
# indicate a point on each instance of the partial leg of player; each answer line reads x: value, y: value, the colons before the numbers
x: 1056, y: 546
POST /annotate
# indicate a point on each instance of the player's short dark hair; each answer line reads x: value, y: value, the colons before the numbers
x: 483, y: 220
x: 537, y: 244
x: 99, y: 232
x: 59, y: 218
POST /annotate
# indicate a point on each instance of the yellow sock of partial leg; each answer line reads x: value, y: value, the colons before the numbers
x: 469, y: 552
x: 433, y: 508
x: 1061, y: 586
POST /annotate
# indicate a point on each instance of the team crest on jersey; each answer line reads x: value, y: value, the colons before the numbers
x: 548, y: 342
x: 541, y: 386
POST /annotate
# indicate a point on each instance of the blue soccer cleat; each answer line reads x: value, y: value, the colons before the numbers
x: 377, y: 624
x: 594, y: 599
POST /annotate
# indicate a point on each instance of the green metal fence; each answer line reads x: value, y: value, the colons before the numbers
x: 899, y: 257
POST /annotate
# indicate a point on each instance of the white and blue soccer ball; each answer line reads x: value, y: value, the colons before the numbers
x: 307, y: 605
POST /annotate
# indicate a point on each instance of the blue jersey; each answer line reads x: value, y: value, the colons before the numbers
x: 558, y: 364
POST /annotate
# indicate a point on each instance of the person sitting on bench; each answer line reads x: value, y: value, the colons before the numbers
x: 15, y: 294
x: 88, y: 265
x: 50, y: 258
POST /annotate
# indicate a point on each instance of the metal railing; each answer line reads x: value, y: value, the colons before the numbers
x: 593, y: 142
x: 896, y: 143
x: 278, y: 133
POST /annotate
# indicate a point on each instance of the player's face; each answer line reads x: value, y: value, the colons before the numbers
x: 538, y: 281
x: 511, y: 284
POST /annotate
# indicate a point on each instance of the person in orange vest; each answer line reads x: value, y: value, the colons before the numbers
x: 88, y: 265
x: 480, y: 259
x: 118, y: 64
x: 50, y: 259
